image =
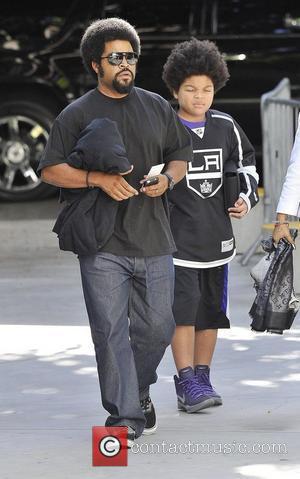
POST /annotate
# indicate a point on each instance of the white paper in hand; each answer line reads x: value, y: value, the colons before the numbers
x: 156, y: 169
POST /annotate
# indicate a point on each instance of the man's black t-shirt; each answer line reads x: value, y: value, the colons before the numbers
x: 152, y: 134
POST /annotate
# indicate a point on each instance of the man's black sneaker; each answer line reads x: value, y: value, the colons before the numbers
x: 126, y: 437
x: 130, y: 437
x: 149, y: 412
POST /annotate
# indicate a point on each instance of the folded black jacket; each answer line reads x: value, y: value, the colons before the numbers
x: 273, y: 310
x: 86, y: 223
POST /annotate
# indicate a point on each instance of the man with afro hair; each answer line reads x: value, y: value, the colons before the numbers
x: 220, y: 184
x: 128, y: 282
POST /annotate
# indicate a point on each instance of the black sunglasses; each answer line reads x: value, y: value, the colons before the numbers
x: 116, y: 58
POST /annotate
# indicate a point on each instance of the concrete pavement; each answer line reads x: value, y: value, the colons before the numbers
x: 49, y: 389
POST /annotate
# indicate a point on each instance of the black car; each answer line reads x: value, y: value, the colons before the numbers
x: 41, y: 70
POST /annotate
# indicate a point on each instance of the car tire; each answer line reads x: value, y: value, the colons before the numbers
x: 24, y: 130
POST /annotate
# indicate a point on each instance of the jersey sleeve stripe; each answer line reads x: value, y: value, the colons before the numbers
x: 237, y: 135
x: 249, y: 170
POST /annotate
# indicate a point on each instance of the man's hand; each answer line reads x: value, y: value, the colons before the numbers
x: 239, y: 209
x: 156, y: 190
x: 114, y: 186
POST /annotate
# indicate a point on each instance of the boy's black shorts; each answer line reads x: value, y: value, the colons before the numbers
x: 201, y: 297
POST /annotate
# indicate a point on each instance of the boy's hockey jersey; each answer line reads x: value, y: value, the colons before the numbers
x: 200, y: 225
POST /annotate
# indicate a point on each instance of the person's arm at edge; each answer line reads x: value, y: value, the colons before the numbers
x: 289, y: 200
x: 281, y: 229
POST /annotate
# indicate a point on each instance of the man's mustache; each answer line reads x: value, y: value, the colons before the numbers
x: 123, y: 71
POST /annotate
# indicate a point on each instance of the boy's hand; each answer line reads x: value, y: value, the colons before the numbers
x: 239, y: 209
x: 158, y: 189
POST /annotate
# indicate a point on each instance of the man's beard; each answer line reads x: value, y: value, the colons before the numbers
x: 123, y: 87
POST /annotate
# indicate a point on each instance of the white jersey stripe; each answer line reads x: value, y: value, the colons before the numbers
x: 199, y: 176
x: 202, y: 264
x: 249, y: 170
x: 237, y: 135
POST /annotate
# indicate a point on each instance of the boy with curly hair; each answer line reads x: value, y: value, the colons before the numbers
x: 194, y: 71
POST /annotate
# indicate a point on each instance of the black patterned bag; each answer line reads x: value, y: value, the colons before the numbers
x: 275, y: 306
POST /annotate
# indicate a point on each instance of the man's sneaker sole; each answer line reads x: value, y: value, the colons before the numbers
x: 196, y: 407
x: 149, y: 430
x: 130, y: 443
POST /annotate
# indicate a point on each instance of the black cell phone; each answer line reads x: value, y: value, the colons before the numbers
x: 151, y: 181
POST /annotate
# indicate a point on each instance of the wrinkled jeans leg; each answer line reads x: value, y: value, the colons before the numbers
x: 106, y: 282
x: 150, y: 314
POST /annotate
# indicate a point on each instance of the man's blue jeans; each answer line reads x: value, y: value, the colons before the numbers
x: 129, y: 304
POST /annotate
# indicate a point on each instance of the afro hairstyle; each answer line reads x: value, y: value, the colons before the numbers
x: 92, y: 44
x: 195, y: 57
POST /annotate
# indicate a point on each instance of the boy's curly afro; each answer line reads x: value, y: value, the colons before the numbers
x: 195, y: 57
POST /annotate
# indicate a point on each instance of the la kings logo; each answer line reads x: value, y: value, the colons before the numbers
x: 205, y: 173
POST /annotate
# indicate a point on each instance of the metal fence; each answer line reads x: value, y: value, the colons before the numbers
x: 279, y: 119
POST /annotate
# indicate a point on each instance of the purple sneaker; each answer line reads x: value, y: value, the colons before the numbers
x: 202, y: 375
x: 190, y: 397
